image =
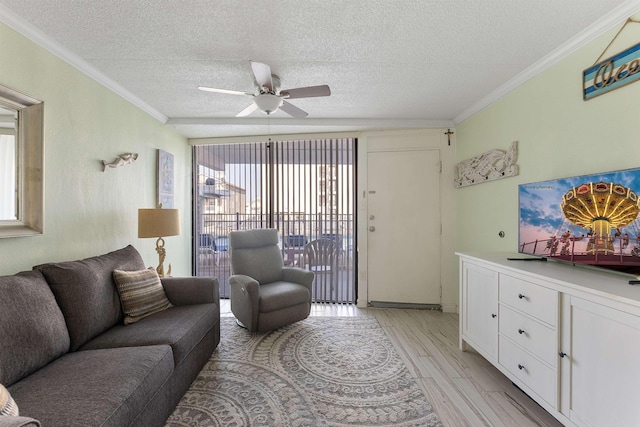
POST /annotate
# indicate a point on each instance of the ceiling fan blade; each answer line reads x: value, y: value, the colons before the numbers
x: 262, y: 73
x: 250, y: 109
x: 229, y: 92
x: 306, y: 92
x: 293, y: 111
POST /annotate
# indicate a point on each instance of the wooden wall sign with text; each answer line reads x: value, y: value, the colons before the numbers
x: 612, y: 73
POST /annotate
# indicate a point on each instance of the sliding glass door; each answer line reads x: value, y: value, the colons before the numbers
x: 303, y: 188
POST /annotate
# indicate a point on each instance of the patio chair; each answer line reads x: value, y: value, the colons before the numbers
x: 294, y: 249
x: 265, y: 295
x: 208, y: 247
x: 322, y: 259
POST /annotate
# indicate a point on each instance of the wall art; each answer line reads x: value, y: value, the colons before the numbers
x: 612, y: 73
x: 166, y: 182
x: 489, y: 166
x: 121, y: 160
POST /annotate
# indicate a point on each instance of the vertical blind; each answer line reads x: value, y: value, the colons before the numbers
x: 303, y: 188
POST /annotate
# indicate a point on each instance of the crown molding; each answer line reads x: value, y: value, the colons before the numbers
x: 272, y: 137
x: 17, y: 23
x: 311, y: 122
x: 604, y: 24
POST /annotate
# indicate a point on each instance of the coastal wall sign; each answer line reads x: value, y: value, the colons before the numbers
x: 612, y: 73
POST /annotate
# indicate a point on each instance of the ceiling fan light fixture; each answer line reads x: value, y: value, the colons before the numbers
x: 267, y: 96
x: 268, y: 103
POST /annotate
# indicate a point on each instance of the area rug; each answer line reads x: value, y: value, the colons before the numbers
x: 323, y: 371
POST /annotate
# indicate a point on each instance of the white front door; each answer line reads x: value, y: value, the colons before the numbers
x: 404, y: 227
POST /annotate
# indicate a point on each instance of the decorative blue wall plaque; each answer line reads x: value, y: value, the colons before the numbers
x: 612, y: 73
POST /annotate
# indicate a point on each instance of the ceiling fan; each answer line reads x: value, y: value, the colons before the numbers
x: 268, y: 97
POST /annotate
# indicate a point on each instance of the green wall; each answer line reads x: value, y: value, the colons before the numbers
x: 88, y: 211
x: 559, y: 135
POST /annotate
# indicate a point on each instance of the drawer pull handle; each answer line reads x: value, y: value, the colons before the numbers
x: 521, y: 367
x: 562, y: 354
x: 521, y: 331
x: 494, y: 315
x: 521, y: 296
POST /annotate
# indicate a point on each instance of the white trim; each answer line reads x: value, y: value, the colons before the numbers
x: 271, y: 137
x: 450, y: 308
x: 334, y: 122
x: 616, y: 17
x: 11, y: 19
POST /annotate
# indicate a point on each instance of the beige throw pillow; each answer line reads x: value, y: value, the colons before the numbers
x: 7, y: 404
x: 141, y: 294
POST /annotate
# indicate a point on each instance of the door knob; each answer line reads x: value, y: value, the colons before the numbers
x: 372, y: 229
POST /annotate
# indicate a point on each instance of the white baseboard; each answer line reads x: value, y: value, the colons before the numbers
x: 450, y: 308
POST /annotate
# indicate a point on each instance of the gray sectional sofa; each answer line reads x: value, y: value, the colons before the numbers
x: 67, y: 358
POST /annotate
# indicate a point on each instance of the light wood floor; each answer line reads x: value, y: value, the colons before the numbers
x: 463, y: 388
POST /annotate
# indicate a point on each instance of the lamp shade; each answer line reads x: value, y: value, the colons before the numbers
x: 158, y: 222
x: 268, y: 103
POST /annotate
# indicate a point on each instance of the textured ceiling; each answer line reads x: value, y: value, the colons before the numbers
x: 389, y: 63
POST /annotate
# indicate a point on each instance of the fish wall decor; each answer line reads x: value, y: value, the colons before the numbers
x: 121, y: 160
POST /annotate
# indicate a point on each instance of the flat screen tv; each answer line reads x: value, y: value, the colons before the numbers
x: 589, y: 220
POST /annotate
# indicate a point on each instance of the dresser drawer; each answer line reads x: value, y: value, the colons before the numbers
x: 533, y: 336
x: 535, y: 300
x: 534, y: 374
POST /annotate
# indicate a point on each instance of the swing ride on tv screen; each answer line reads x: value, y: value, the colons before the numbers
x: 590, y: 219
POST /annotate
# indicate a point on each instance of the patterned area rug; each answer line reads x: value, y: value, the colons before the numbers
x: 323, y: 371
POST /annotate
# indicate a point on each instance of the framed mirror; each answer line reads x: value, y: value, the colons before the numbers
x: 21, y: 164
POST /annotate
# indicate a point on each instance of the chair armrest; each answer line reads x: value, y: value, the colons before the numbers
x: 10, y: 421
x: 244, y: 299
x: 298, y: 275
x: 191, y: 290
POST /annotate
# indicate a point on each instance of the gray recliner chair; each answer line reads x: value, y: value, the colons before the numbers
x: 265, y: 295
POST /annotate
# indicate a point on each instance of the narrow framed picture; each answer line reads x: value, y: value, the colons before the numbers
x: 165, y: 179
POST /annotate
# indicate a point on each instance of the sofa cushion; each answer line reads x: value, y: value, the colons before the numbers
x: 86, y: 292
x: 7, y: 404
x: 33, y: 331
x: 141, y: 293
x: 94, y: 388
x: 181, y: 327
x: 278, y: 295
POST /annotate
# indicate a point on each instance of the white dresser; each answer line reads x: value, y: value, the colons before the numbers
x: 568, y: 336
